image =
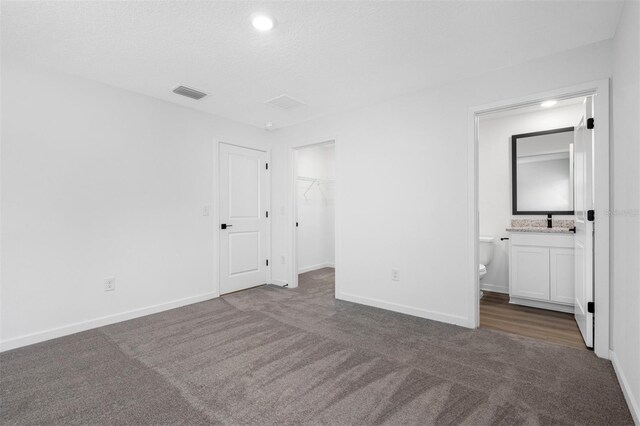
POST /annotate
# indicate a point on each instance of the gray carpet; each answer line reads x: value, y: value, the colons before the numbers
x: 280, y: 356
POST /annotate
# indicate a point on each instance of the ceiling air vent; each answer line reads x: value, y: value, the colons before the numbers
x: 284, y: 102
x: 189, y: 93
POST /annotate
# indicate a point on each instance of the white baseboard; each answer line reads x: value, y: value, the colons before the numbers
x: 542, y: 305
x: 41, y: 336
x: 315, y: 267
x: 626, y: 390
x: 279, y: 283
x: 494, y: 288
x: 409, y: 310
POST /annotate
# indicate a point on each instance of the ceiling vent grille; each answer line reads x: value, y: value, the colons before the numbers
x: 189, y: 93
x: 284, y: 102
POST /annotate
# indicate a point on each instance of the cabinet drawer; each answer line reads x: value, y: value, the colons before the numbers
x: 542, y: 240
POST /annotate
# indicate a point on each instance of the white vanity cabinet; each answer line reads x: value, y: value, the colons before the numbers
x: 541, y: 269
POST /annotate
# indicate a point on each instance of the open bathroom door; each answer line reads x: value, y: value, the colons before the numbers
x: 584, y: 215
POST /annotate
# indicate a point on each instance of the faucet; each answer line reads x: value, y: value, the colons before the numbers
x: 549, y: 221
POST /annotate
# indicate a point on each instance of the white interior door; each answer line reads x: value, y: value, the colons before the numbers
x: 583, y: 179
x: 243, y: 218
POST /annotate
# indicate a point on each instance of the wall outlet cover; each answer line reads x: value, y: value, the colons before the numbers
x: 395, y: 274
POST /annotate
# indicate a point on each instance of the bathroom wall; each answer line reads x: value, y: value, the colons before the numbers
x: 316, y: 242
x: 494, y: 150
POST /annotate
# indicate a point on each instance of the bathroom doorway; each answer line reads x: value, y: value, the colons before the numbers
x: 528, y: 257
x: 314, y: 214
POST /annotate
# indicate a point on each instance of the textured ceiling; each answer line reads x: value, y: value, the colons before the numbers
x: 332, y: 56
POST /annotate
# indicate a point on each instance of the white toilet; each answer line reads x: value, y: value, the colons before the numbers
x: 486, y: 254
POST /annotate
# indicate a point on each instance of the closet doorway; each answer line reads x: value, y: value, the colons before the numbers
x: 314, y: 214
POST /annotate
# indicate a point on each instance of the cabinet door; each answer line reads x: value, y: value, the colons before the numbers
x: 530, y: 272
x: 562, y: 275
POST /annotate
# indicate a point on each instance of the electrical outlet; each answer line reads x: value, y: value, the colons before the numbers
x: 283, y: 259
x: 205, y: 210
x: 395, y: 274
x: 109, y: 284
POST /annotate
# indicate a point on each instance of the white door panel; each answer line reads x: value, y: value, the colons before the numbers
x: 243, y: 208
x: 530, y: 270
x: 583, y: 193
x: 244, y: 253
x: 244, y: 186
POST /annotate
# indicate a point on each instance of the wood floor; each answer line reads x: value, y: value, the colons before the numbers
x: 497, y: 313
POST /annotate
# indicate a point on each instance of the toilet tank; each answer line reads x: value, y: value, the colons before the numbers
x: 486, y: 250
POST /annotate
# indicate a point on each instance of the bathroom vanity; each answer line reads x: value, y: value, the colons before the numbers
x: 541, y: 265
x: 541, y: 252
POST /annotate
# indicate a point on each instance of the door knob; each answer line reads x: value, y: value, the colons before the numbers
x: 225, y: 226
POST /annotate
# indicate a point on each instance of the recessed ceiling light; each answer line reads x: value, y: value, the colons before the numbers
x: 547, y: 104
x: 263, y: 22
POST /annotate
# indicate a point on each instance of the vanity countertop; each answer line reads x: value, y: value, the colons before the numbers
x: 540, y: 229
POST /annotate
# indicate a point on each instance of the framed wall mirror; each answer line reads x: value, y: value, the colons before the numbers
x: 542, y: 172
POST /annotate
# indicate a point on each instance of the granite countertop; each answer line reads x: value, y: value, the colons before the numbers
x: 539, y: 229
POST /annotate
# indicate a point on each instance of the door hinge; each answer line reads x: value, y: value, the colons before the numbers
x: 267, y: 213
x: 590, y: 123
x: 591, y: 307
x: 266, y: 166
x: 267, y: 262
x: 591, y: 215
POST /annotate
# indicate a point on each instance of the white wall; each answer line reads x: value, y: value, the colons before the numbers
x: 625, y: 218
x: 401, y: 186
x: 494, y: 185
x: 316, y: 242
x: 97, y: 182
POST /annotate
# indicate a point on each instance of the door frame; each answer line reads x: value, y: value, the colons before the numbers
x: 600, y: 91
x: 293, y: 193
x: 215, y: 217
